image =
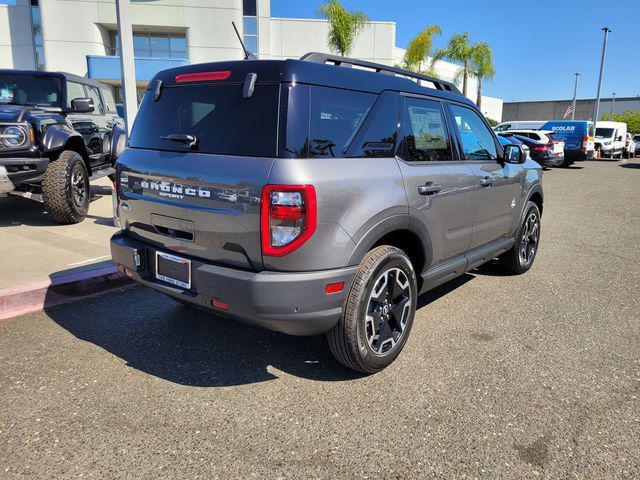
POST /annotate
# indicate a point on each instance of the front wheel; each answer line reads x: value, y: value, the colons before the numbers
x: 65, y: 188
x: 521, y: 256
x: 378, y: 312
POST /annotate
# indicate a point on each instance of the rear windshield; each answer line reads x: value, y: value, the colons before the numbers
x: 222, y: 121
x: 555, y: 137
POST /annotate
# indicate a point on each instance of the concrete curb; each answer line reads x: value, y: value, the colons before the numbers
x: 59, y: 290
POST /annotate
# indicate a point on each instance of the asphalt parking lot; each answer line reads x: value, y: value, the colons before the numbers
x: 503, y: 377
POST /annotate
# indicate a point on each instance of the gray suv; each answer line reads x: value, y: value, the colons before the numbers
x: 318, y: 195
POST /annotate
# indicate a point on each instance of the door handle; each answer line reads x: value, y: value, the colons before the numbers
x: 429, y: 188
x: 487, y: 182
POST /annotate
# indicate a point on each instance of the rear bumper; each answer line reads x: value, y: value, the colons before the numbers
x: 290, y: 302
x: 23, y: 170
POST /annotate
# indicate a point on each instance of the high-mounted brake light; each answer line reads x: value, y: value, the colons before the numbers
x: 288, y: 217
x: 202, y: 76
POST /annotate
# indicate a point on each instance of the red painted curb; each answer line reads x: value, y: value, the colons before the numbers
x: 59, y: 290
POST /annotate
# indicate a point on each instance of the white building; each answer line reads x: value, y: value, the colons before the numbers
x: 79, y: 36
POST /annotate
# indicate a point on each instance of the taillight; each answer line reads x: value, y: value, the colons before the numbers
x: 288, y: 217
x: 542, y: 148
x: 585, y: 141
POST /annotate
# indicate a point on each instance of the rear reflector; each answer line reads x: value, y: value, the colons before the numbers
x: 202, y: 76
x: 219, y: 304
x: 331, y: 288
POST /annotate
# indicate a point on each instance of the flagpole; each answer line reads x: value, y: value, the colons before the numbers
x: 575, y: 93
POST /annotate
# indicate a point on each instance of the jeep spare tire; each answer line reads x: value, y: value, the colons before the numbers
x: 65, y: 188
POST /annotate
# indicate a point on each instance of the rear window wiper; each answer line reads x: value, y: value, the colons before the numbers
x: 189, y: 140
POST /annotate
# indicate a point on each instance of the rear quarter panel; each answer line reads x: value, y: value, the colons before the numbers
x: 353, y: 195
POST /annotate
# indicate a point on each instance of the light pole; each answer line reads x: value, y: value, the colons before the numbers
x: 596, y: 111
x: 613, y: 104
x: 575, y: 93
x: 127, y: 65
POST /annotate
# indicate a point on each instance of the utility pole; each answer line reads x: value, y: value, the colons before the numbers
x: 127, y: 65
x: 575, y: 93
x: 596, y: 111
x: 613, y: 104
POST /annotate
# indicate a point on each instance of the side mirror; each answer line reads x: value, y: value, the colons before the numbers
x: 513, y: 154
x: 619, y: 139
x: 82, y: 105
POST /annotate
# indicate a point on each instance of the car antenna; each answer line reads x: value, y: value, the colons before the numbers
x: 247, y: 54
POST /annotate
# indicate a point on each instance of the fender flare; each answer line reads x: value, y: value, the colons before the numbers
x: 387, y: 226
x: 61, y: 137
x: 536, y: 188
x: 117, y: 143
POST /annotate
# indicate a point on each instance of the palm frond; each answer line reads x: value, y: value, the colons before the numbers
x: 344, y: 26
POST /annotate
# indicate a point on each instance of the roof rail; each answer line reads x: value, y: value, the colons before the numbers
x: 339, y: 61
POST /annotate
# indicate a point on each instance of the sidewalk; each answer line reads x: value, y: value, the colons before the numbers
x: 34, y: 248
x: 44, y: 264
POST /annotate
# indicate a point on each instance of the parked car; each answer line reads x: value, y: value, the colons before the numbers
x: 636, y: 139
x: 578, y: 138
x: 505, y: 138
x: 519, y: 125
x: 359, y: 212
x: 629, y: 147
x: 57, y: 131
x: 610, y: 139
x: 546, y: 147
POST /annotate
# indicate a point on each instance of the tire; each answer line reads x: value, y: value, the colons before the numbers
x: 65, y: 188
x: 512, y: 261
x: 563, y: 164
x: 353, y: 341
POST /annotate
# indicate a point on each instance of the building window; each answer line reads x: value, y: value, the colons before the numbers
x: 154, y: 45
x: 36, y: 31
x: 250, y: 26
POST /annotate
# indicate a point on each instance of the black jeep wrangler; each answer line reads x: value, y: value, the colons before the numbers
x: 57, y: 132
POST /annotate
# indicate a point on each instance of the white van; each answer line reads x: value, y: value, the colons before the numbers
x: 610, y: 138
x: 519, y: 125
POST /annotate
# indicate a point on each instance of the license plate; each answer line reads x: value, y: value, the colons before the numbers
x: 173, y: 270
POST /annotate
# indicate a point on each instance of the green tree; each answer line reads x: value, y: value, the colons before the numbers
x: 630, y: 117
x: 344, y: 25
x: 419, y: 50
x: 458, y: 50
x: 482, y: 66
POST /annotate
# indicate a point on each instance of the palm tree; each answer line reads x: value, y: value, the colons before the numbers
x: 482, y: 66
x: 344, y: 26
x: 458, y: 50
x: 419, y: 50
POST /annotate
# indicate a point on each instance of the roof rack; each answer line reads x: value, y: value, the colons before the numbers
x: 339, y: 61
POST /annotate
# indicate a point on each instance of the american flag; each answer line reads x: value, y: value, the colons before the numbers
x: 569, y: 111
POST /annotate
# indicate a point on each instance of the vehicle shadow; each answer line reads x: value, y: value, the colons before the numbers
x: 630, y: 165
x: 157, y: 336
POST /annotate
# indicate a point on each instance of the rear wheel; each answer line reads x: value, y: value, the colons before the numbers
x: 378, y: 312
x: 65, y: 188
x: 521, y: 256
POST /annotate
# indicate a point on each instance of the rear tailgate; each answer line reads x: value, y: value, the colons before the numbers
x: 200, y: 153
x: 197, y: 205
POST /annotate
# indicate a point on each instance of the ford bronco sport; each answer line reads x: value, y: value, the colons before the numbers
x: 318, y: 195
x: 57, y: 131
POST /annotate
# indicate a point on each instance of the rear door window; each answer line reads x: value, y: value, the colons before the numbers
x: 221, y: 119
x: 476, y: 138
x: 424, y: 132
x: 335, y: 117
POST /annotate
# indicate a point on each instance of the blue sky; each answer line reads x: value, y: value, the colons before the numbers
x: 537, y: 45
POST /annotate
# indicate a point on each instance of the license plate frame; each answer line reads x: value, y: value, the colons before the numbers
x: 164, y: 277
